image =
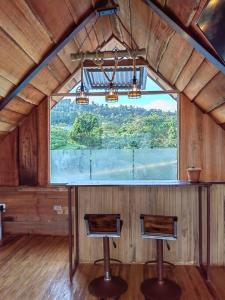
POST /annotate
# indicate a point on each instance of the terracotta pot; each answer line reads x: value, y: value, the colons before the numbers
x: 194, y: 174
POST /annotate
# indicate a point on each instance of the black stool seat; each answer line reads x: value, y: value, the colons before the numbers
x: 159, y: 228
x: 105, y: 226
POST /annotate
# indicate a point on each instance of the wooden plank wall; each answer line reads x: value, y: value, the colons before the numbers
x: 24, y: 153
x: 131, y: 202
x: 30, y: 210
x: 202, y: 143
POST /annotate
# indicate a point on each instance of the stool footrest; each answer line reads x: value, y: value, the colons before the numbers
x: 155, y: 262
x: 111, y: 259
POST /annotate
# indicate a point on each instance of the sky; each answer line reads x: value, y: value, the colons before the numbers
x: 164, y: 102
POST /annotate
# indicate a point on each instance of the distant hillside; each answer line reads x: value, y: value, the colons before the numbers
x: 103, y: 126
x: 65, y: 112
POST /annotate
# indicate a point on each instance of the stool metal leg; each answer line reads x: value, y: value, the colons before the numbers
x: 106, y: 258
x: 160, y: 288
x: 107, y: 286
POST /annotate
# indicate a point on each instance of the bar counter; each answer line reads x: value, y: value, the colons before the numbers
x: 73, y: 219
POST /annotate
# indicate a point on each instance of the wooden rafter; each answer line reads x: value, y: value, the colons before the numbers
x: 186, y: 35
x: 51, y: 54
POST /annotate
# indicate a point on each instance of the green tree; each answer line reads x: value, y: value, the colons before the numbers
x: 87, y: 130
x: 59, y: 137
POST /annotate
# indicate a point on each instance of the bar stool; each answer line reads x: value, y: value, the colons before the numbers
x: 159, y: 228
x: 105, y: 226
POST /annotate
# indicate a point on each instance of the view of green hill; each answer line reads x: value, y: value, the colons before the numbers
x: 116, y: 127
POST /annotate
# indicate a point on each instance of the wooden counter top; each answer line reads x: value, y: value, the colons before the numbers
x: 169, y: 183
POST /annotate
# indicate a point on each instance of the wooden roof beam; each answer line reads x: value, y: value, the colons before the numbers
x: 51, y: 54
x: 186, y: 35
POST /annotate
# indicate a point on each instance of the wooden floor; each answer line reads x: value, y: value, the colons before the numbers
x: 36, y: 267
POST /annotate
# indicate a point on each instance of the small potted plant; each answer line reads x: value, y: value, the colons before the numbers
x: 193, y: 174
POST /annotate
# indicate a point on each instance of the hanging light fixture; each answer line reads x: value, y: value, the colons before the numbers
x: 81, y: 92
x: 112, y: 95
x: 135, y: 91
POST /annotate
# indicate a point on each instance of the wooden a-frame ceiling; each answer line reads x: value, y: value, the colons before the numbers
x: 29, y: 29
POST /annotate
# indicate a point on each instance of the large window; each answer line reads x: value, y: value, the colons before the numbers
x: 129, y: 140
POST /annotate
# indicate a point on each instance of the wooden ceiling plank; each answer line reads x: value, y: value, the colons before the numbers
x: 32, y: 95
x: 64, y: 55
x: 212, y: 94
x: 186, y: 35
x: 45, y: 81
x: 201, y: 78
x: 58, y: 69
x: 141, y: 20
x: 83, y: 41
x: 5, y: 86
x: 92, y: 34
x: 10, y: 116
x: 46, y: 60
x: 55, y: 15
x: 189, y: 70
x: 3, y: 133
x: 78, y: 8
x: 20, y: 106
x: 6, y: 126
x: 185, y: 12
x: 106, y: 27
x: 14, y: 63
x: 159, y: 37
x: 219, y: 114
x: 19, y: 22
x: 175, y: 58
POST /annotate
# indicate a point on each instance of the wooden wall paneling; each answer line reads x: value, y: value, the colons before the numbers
x: 55, y: 16
x: 30, y: 210
x: 103, y: 200
x: 213, y: 150
x: 130, y: 203
x: 218, y: 224
x: 203, y: 75
x: 28, y: 151
x: 43, y: 142
x: 14, y: 63
x: 202, y: 143
x: 9, y: 160
x: 159, y: 37
x: 20, y: 106
x: 189, y: 70
x: 27, y: 31
x: 190, y: 135
x: 174, y: 58
x: 212, y: 94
